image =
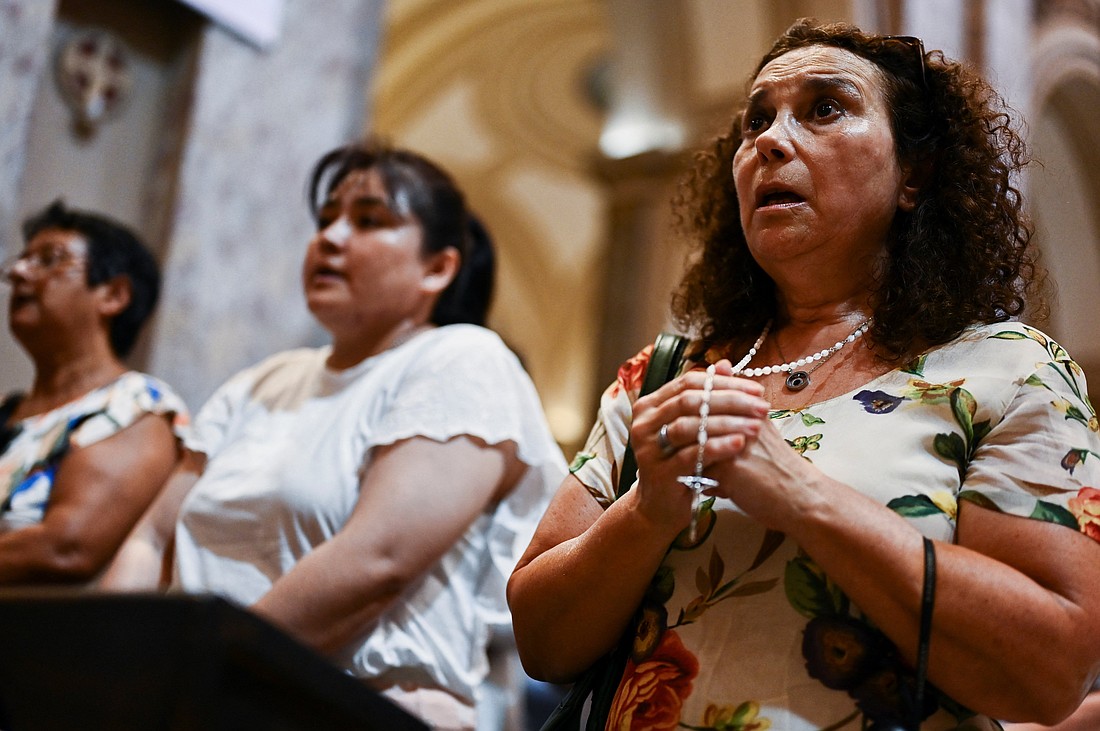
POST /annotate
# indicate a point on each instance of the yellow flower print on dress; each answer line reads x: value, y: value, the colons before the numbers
x: 745, y: 717
x: 806, y: 444
x: 930, y: 393
x: 945, y: 501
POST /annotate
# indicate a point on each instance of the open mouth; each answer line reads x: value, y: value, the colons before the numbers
x: 779, y: 198
x: 323, y: 272
x: 18, y: 299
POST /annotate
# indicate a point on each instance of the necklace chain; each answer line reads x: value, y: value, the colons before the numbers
x: 798, y: 378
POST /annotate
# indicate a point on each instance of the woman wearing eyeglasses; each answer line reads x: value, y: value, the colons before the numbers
x: 885, y: 452
x: 85, y: 450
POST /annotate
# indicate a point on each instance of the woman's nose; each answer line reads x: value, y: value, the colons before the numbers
x: 17, y: 270
x: 775, y: 143
x: 337, y: 232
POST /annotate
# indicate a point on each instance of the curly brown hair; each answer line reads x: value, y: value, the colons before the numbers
x: 960, y: 258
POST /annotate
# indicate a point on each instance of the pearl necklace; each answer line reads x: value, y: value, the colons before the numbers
x: 798, y: 379
x: 752, y: 351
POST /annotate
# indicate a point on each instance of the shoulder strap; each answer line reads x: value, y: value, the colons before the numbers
x: 668, y: 352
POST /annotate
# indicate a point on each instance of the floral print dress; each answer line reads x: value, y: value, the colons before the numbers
x: 34, y: 447
x: 741, y: 631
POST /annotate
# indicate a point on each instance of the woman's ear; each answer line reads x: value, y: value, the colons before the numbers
x: 440, y: 270
x: 115, y: 295
x: 914, y: 177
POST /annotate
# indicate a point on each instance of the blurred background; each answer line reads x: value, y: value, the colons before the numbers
x: 568, y: 123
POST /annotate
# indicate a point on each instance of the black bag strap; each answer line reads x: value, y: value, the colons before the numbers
x: 927, y: 602
x: 597, y: 685
x: 664, y: 364
x: 668, y: 352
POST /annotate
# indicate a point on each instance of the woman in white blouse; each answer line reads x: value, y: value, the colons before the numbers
x: 371, y: 496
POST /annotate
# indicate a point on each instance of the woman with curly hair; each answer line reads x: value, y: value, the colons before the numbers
x: 888, y: 458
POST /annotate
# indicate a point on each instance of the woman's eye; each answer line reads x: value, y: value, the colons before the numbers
x: 826, y: 109
x: 755, y: 123
x: 48, y: 257
x: 327, y: 215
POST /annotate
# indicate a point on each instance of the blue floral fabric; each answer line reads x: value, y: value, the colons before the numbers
x: 37, y: 445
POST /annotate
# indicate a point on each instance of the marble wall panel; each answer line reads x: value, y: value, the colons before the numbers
x: 239, y: 223
x: 24, y: 52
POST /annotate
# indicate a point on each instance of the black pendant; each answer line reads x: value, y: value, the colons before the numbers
x: 798, y: 380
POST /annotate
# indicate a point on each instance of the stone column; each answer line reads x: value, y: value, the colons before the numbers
x: 643, y: 260
x: 24, y: 52
x: 641, y: 158
x: 235, y: 221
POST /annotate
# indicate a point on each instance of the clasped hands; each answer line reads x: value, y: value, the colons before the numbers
x: 752, y: 463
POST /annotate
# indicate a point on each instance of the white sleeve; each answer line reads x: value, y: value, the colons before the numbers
x: 471, y: 384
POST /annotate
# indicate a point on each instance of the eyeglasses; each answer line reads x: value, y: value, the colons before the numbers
x: 917, y: 45
x: 33, y: 264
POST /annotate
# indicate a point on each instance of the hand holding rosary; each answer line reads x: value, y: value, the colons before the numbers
x: 797, y: 379
x: 696, y: 482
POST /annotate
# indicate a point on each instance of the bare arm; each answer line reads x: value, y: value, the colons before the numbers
x: 580, y: 580
x: 416, y: 501
x: 1085, y: 718
x: 586, y: 570
x: 99, y: 492
x: 144, y: 561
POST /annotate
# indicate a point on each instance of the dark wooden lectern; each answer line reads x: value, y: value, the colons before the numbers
x: 134, y: 662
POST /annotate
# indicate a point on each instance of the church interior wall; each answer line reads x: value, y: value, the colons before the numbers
x: 208, y: 158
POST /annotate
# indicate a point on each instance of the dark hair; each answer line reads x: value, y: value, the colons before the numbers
x: 113, y: 250
x: 432, y: 196
x: 961, y: 257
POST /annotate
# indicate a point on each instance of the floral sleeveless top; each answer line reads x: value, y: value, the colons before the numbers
x: 741, y: 631
x: 34, y: 447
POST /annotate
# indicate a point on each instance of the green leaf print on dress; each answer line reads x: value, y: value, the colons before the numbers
x: 952, y: 446
x: 579, y: 461
x: 706, y: 521
x: 957, y: 447
x: 807, y: 418
x: 745, y: 717
x: 713, y: 588
x: 1071, y: 374
x: 806, y: 444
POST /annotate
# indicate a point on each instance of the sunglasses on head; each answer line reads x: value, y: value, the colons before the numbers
x: 917, y: 45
